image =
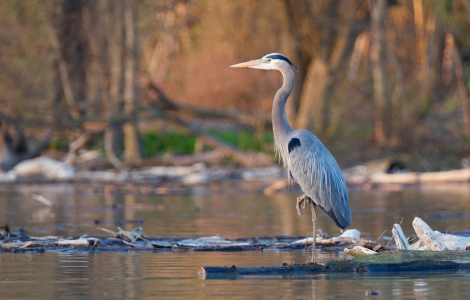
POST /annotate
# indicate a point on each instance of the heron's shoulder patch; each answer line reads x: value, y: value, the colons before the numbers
x: 294, y: 143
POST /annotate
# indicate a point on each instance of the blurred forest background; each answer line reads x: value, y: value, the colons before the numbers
x: 145, y: 80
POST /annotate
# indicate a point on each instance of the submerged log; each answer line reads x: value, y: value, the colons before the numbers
x: 396, y: 261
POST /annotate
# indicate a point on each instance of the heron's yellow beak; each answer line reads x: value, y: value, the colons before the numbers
x: 248, y: 64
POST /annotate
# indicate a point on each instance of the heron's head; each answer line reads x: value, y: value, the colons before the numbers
x: 273, y: 61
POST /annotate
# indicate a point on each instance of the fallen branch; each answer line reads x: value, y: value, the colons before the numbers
x: 212, y: 157
x: 43, y: 200
x: 28, y: 244
x: 360, y: 177
x: 81, y: 242
x: 244, y: 158
x: 74, y: 147
x: 445, y: 176
x: 169, y: 104
x: 400, y: 238
x: 275, y: 187
x: 347, y: 240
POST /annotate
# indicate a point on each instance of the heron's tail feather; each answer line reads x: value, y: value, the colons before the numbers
x: 342, y: 221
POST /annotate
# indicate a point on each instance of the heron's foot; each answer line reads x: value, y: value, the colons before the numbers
x: 318, y: 263
x: 301, y: 203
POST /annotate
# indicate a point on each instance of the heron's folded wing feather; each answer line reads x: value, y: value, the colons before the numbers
x: 318, y: 174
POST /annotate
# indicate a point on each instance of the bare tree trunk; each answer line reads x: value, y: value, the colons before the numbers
x: 334, y: 40
x: 447, y: 59
x: 421, y: 40
x: 97, y: 94
x: 63, y: 71
x: 108, y: 146
x: 115, y: 31
x: 459, y: 77
x: 311, y: 109
x: 346, y: 91
x: 165, y: 49
x: 131, y: 135
x: 378, y: 73
x: 297, y: 13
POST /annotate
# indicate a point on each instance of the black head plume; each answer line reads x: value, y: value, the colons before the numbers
x: 282, y: 57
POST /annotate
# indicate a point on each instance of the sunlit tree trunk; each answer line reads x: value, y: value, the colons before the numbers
x: 311, y: 110
x: 323, y: 68
x: 131, y: 135
x: 421, y: 39
x: 115, y: 29
x: 378, y: 10
x: 459, y: 77
x: 297, y: 13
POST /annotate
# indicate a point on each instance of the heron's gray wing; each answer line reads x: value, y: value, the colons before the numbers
x: 313, y: 167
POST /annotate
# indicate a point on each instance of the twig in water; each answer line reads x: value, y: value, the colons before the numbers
x: 107, y: 230
x: 128, y: 244
x: 381, y: 235
x: 393, y: 235
x: 26, y: 245
x: 306, y: 239
x: 43, y: 200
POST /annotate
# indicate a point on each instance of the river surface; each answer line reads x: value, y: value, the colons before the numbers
x: 169, y: 275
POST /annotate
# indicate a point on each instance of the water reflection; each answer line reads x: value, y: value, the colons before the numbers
x: 227, y: 215
x: 133, y: 275
x: 172, y: 276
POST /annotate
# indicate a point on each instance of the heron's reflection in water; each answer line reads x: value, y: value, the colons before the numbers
x: 314, y: 290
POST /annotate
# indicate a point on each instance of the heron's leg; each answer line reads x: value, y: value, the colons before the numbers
x: 302, y: 200
x: 314, y: 221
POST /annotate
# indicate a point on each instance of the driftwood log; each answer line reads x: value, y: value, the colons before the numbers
x: 397, y: 261
x: 428, y: 237
x: 359, y: 251
x: 462, y: 175
x: 330, y: 242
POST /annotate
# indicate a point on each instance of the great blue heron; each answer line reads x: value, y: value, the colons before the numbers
x: 305, y: 158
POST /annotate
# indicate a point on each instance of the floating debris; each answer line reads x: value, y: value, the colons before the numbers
x: 122, y: 240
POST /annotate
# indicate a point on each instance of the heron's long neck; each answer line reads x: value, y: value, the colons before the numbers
x: 281, y: 127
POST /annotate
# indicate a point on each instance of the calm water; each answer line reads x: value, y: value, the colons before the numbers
x: 168, y: 275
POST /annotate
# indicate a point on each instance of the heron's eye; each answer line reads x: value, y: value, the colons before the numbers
x: 269, y: 60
